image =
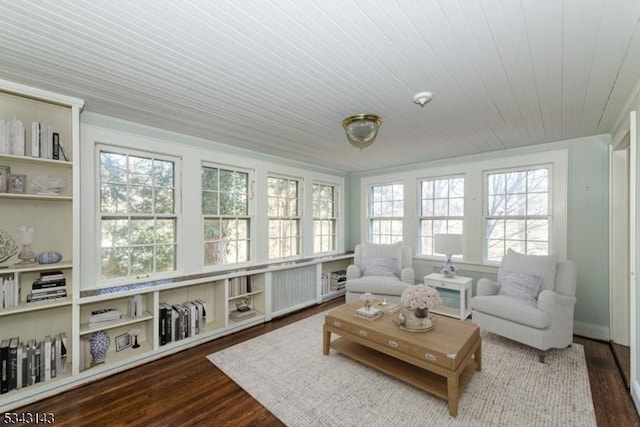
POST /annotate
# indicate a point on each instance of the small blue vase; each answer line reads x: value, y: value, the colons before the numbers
x: 98, y: 346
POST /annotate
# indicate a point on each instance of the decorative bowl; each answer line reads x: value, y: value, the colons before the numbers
x: 48, y: 257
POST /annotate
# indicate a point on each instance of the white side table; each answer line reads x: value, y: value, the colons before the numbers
x: 455, y: 293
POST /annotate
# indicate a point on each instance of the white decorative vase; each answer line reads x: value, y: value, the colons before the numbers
x: 98, y: 346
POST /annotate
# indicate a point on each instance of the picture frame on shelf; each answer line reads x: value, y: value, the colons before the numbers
x: 17, y: 183
x: 123, y: 341
x: 5, y: 173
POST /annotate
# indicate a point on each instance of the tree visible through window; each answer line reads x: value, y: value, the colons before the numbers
x: 324, y: 218
x: 283, y: 209
x: 225, y: 207
x: 441, y: 210
x: 386, y: 212
x: 138, y: 215
x: 518, y: 212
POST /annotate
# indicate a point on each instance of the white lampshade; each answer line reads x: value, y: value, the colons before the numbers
x: 448, y: 244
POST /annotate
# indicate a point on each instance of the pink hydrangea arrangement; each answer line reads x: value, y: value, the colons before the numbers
x: 420, y: 297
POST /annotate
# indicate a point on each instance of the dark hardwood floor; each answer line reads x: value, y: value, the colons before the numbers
x: 186, y: 389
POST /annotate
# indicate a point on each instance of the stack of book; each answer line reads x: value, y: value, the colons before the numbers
x: 371, y: 313
x: 337, y: 280
x: 101, y: 317
x: 50, y: 286
x: 388, y: 307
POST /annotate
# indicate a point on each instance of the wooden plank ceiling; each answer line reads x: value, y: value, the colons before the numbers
x: 278, y: 77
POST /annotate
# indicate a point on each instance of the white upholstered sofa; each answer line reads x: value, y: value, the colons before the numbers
x: 543, y: 320
x: 383, y: 270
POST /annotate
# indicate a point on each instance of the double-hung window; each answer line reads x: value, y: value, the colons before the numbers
x: 441, y: 210
x: 138, y: 213
x: 283, y: 210
x: 226, y: 215
x: 324, y: 218
x: 518, y: 211
x: 386, y: 212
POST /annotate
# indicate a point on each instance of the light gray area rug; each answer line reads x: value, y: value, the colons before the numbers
x: 286, y: 372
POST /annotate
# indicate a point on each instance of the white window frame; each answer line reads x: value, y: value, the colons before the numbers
x: 297, y: 218
x: 525, y: 217
x: 391, y: 219
x: 177, y: 161
x: 333, y: 218
x: 422, y: 217
x: 250, y: 216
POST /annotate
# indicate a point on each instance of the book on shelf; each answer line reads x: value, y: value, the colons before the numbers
x: 31, y: 362
x: 46, y: 357
x: 22, y: 365
x: 47, y: 296
x: 175, y: 320
x: 35, y: 139
x: 191, y: 318
x: 64, y: 155
x: 54, y: 361
x: 85, y: 353
x: 242, y: 315
x: 180, y: 322
x: 4, y: 366
x: 162, y: 323
x: 55, y: 146
x: 46, y: 276
x: 5, y: 137
x: 105, y: 314
x: 202, y: 314
x: 13, y: 363
x: 50, y: 291
x: 38, y: 364
x: 37, y: 284
x: 61, y: 353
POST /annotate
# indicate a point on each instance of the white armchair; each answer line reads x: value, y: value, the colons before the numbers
x: 518, y: 312
x: 383, y: 270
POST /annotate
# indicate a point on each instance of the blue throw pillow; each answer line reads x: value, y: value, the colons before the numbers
x: 520, y: 285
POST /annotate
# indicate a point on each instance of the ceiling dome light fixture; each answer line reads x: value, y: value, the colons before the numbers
x: 362, y: 129
x: 422, y: 98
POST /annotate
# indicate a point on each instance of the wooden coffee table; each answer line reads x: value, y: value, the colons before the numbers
x: 441, y: 361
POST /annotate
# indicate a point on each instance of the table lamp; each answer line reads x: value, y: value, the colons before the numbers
x: 449, y: 245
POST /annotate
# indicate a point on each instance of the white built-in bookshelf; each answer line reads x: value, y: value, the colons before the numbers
x: 264, y: 291
x: 52, y: 216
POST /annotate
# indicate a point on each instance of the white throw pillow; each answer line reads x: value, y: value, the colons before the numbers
x: 520, y: 285
x: 374, y: 250
x: 380, y: 267
x: 543, y: 266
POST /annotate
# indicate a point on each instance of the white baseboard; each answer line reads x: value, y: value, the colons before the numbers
x: 589, y: 330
